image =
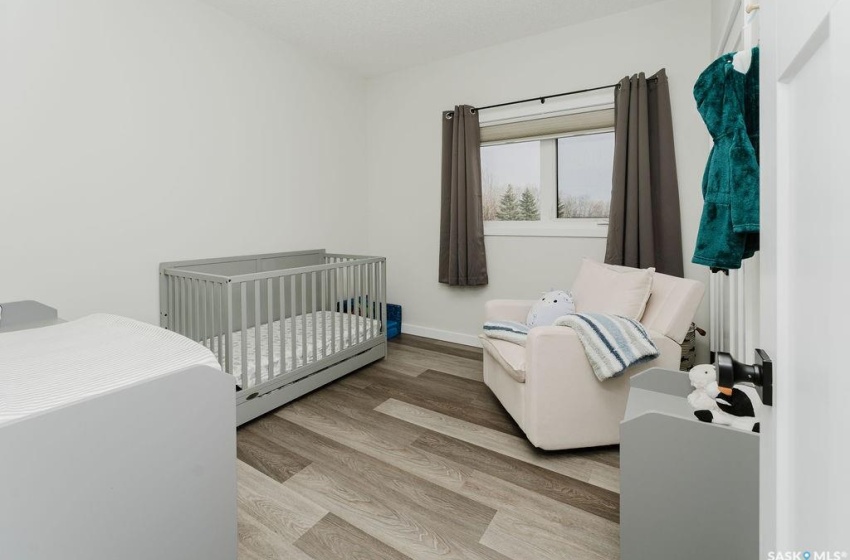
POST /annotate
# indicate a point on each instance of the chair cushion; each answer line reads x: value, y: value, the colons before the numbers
x: 600, y: 288
x: 508, y: 355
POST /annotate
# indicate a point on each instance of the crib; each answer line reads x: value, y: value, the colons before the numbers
x: 283, y: 324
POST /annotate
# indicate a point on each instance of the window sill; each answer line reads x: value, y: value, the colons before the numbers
x: 545, y: 229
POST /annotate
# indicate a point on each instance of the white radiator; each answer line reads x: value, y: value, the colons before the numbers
x: 734, y: 318
x: 734, y: 299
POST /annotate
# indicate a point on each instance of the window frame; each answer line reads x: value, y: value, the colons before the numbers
x: 549, y: 224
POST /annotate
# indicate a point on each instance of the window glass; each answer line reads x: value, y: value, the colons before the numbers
x: 585, y: 164
x: 510, y: 181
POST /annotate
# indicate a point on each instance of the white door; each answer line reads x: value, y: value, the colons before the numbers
x: 805, y: 286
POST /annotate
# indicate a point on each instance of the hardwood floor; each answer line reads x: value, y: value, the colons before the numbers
x: 413, y: 457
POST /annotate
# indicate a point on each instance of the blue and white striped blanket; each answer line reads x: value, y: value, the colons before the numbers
x: 612, y: 343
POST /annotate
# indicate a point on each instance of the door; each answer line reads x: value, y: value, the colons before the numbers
x: 805, y: 306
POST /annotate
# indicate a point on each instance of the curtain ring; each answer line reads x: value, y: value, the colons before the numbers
x: 449, y: 115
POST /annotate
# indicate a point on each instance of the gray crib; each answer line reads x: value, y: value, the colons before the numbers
x: 283, y: 324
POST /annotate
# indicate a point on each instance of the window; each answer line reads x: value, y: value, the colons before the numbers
x: 510, y: 181
x: 548, y: 176
x: 585, y: 164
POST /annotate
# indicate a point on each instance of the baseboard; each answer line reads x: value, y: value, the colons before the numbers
x: 440, y: 334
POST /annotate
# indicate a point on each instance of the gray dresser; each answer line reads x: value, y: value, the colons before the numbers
x: 688, y: 489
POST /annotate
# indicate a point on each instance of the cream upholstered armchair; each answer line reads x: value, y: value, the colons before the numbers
x: 548, y: 386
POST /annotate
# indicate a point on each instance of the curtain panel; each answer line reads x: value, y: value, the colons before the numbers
x: 645, y: 227
x: 463, y: 261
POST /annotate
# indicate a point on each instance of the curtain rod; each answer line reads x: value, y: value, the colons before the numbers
x: 543, y: 98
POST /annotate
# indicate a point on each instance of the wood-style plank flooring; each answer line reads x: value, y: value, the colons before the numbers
x: 413, y: 457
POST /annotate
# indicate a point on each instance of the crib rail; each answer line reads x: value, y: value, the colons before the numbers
x: 270, y: 318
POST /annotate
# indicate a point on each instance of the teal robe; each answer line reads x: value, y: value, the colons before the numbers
x: 728, y: 101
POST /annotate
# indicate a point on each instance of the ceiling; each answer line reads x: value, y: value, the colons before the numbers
x: 372, y: 37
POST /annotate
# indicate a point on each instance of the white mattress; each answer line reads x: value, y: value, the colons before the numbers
x: 53, y: 366
x: 330, y: 326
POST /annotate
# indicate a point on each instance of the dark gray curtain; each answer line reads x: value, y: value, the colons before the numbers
x: 645, y: 226
x: 462, y: 258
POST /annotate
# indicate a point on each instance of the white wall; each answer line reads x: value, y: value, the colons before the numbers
x: 404, y: 152
x: 139, y: 131
x: 720, y: 12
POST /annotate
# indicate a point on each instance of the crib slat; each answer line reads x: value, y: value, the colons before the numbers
x: 170, y: 307
x: 339, y: 296
x: 170, y: 310
x: 379, y: 311
x: 202, y: 284
x: 355, y: 294
x: 364, y: 275
x: 303, y: 283
x: 370, y: 312
x: 358, y: 289
x: 169, y: 296
x: 201, y: 309
x: 349, y: 282
x: 270, y: 325
x: 199, y: 287
x: 243, y: 340
x: 378, y: 324
x: 196, y: 286
x: 293, y: 321
x: 258, y: 349
x: 324, y: 313
x: 181, y: 315
x: 188, y: 283
x: 228, y: 334
x: 351, y: 296
x: 367, y: 295
x: 210, y: 313
x: 281, y: 324
x: 335, y: 302
x: 313, y: 310
x: 379, y: 300
x: 205, y: 312
x: 210, y: 316
x: 355, y: 316
x: 363, y: 320
x: 384, y: 296
x: 217, y: 300
x: 184, y: 307
x: 377, y: 306
x: 193, y: 309
x: 175, y: 311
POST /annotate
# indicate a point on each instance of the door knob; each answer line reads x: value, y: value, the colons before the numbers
x: 760, y: 373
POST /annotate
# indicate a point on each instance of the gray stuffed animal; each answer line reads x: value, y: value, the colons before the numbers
x: 552, y: 305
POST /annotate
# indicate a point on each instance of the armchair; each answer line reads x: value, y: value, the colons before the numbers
x: 548, y: 386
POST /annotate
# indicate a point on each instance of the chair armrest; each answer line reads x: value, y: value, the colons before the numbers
x: 553, y: 349
x: 669, y: 351
x: 507, y: 310
x: 562, y: 390
x: 553, y: 346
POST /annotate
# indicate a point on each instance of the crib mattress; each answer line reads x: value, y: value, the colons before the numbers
x: 334, y: 331
x: 57, y: 365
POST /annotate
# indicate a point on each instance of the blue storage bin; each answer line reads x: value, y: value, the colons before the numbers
x: 393, y: 320
x: 393, y: 313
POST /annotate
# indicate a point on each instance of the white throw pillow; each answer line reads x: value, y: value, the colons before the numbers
x: 602, y: 288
